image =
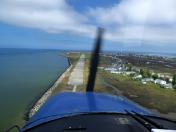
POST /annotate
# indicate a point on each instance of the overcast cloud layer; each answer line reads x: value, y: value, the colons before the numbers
x: 153, y: 21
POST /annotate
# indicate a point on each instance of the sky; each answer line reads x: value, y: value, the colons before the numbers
x: 130, y: 25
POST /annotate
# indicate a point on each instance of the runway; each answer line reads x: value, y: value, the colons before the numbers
x: 76, y: 77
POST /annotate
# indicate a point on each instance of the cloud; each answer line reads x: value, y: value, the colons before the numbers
x: 146, y: 20
x: 128, y: 21
x: 138, y: 12
x: 52, y: 16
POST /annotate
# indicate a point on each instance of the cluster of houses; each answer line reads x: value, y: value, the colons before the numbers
x: 135, y: 74
x: 160, y: 82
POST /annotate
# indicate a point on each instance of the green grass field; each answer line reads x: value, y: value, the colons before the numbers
x: 148, y: 95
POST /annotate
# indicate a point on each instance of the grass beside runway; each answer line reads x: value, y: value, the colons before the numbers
x: 150, y: 96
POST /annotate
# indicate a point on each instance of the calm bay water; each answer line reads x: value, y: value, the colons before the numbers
x: 24, y: 74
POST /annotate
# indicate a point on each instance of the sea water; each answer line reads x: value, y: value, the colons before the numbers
x: 25, y: 74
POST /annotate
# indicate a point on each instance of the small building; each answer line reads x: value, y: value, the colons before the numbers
x: 110, y: 69
x: 168, y: 85
x: 148, y: 79
x: 134, y: 68
x: 116, y: 72
x: 160, y: 75
x: 160, y: 82
x: 129, y: 73
x: 145, y: 80
x: 120, y: 68
x: 170, y: 79
x: 138, y: 76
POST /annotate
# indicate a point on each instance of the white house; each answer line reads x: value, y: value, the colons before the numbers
x: 120, y: 68
x: 143, y: 82
x: 116, y: 72
x: 160, y: 82
x: 129, y: 73
x: 161, y: 75
x: 110, y: 69
x: 137, y: 77
x: 170, y: 79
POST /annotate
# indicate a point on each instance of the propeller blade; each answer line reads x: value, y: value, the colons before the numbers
x: 94, y: 61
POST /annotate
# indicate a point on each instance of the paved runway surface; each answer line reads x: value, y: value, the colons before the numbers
x: 76, y: 77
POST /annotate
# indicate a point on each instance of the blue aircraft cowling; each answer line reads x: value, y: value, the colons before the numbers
x: 68, y: 103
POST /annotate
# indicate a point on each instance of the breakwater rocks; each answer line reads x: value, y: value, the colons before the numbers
x: 47, y: 94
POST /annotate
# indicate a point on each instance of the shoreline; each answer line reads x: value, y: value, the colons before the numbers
x: 47, y: 93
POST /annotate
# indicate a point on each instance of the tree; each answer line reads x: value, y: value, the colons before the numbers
x: 155, y: 76
x: 145, y: 73
x: 167, y: 80
x: 148, y: 74
x: 142, y: 72
x: 174, y: 80
x: 129, y: 66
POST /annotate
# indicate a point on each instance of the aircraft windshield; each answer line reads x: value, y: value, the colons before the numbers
x: 51, y: 46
